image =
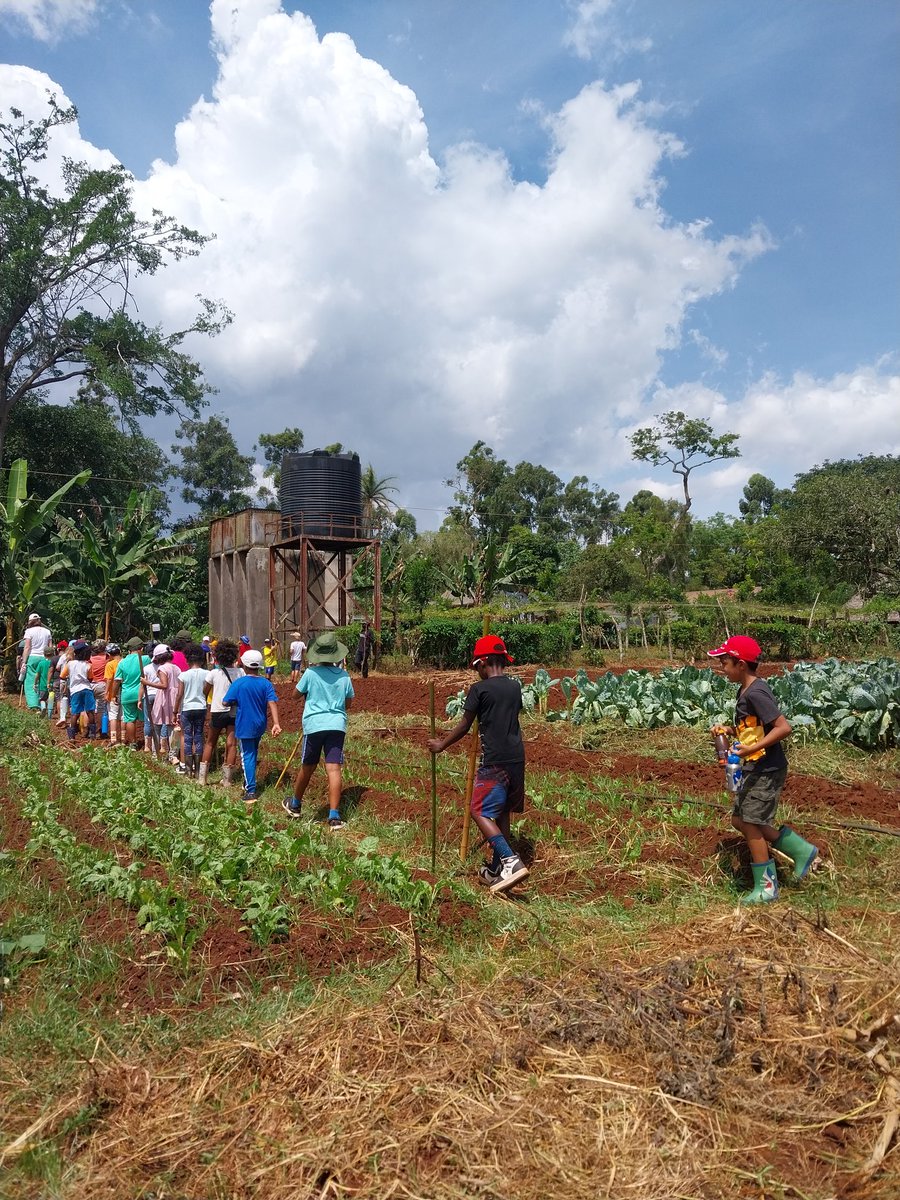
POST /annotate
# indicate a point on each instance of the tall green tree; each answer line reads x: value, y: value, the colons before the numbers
x: 215, y: 476
x: 68, y: 264
x: 57, y: 437
x: 480, y: 506
x: 648, y: 529
x: 683, y: 443
x: 759, y: 498
x: 591, y: 513
x: 274, y: 446
x: 844, y: 517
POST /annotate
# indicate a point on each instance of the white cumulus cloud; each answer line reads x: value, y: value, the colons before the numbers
x: 407, y: 306
x: 47, y: 20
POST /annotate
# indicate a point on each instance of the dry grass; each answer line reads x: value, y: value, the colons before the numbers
x: 717, y: 1062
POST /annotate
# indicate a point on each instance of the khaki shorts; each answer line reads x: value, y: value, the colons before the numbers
x: 759, y: 794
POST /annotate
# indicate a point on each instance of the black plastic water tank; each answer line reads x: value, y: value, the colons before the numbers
x: 321, y: 494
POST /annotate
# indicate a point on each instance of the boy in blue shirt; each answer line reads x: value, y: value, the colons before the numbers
x: 329, y: 695
x: 255, y: 698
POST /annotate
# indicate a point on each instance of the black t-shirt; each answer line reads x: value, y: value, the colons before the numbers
x: 497, y: 702
x: 756, y: 706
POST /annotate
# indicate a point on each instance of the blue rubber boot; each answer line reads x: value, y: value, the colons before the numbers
x: 801, y: 852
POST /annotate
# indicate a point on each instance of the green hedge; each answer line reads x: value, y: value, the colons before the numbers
x: 446, y: 643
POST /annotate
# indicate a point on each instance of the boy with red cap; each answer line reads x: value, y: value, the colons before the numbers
x: 760, y: 727
x: 496, y: 700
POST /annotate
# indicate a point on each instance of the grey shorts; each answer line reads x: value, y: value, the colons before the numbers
x: 759, y: 794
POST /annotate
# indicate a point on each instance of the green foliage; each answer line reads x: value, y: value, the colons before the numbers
x: 274, y: 446
x: 85, y: 434
x: 111, y: 558
x: 843, y: 517
x: 684, y: 443
x: 214, y: 474
x: 445, y: 642
x: 27, y: 558
x: 67, y: 266
x: 853, y: 702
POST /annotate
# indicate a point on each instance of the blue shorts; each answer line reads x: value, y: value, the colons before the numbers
x: 329, y: 740
x: 270, y: 671
x: 498, y: 790
x: 296, y: 664
x: 82, y: 702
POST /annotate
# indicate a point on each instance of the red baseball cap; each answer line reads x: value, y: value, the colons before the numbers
x: 744, y: 648
x: 490, y: 645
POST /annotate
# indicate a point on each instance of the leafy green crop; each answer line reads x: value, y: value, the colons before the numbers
x: 853, y: 702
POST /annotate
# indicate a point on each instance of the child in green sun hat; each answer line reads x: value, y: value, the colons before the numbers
x: 328, y: 696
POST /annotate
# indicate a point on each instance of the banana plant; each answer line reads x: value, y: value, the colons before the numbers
x: 114, y: 557
x: 492, y: 567
x: 27, y: 559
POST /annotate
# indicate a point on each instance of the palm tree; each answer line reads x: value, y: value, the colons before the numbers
x: 115, y: 557
x: 26, y: 557
x: 376, y: 505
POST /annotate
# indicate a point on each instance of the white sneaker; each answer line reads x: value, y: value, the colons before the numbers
x: 511, y: 871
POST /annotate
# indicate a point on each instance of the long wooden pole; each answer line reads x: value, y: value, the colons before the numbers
x: 289, y: 761
x: 433, y: 784
x: 470, y: 771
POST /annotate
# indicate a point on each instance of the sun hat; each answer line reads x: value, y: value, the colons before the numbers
x: 252, y: 658
x: 738, y: 646
x: 134, y: 643
x: 183, y: 635
x: 326, y: 649
x: 160, y: 648
x: 490, y: 645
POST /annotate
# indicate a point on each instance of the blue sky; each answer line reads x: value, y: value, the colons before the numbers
x: 786, y: 115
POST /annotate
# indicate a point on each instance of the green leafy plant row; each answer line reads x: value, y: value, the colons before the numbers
x: 852, y: 702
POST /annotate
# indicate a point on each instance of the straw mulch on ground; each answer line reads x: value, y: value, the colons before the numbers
x: 749, y: 1055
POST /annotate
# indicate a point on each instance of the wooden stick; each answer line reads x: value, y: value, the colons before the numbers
x: 289, y: 761
x: 470, y: 787
x: 433, y: 791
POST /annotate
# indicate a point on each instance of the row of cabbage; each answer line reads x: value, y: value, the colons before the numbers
x: 851, y: 702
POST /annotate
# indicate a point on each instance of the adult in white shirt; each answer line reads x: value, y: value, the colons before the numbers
x: 37, y: 636
x: 298, y: 649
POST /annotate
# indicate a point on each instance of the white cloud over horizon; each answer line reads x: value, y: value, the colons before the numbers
x: 408, y: 307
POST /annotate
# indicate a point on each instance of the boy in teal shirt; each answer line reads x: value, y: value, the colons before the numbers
x: 329, y: 695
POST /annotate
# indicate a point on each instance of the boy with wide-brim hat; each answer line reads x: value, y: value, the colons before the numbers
x: 328, y: 694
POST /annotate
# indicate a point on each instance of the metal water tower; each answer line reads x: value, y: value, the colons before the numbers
x: 323, y: 546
